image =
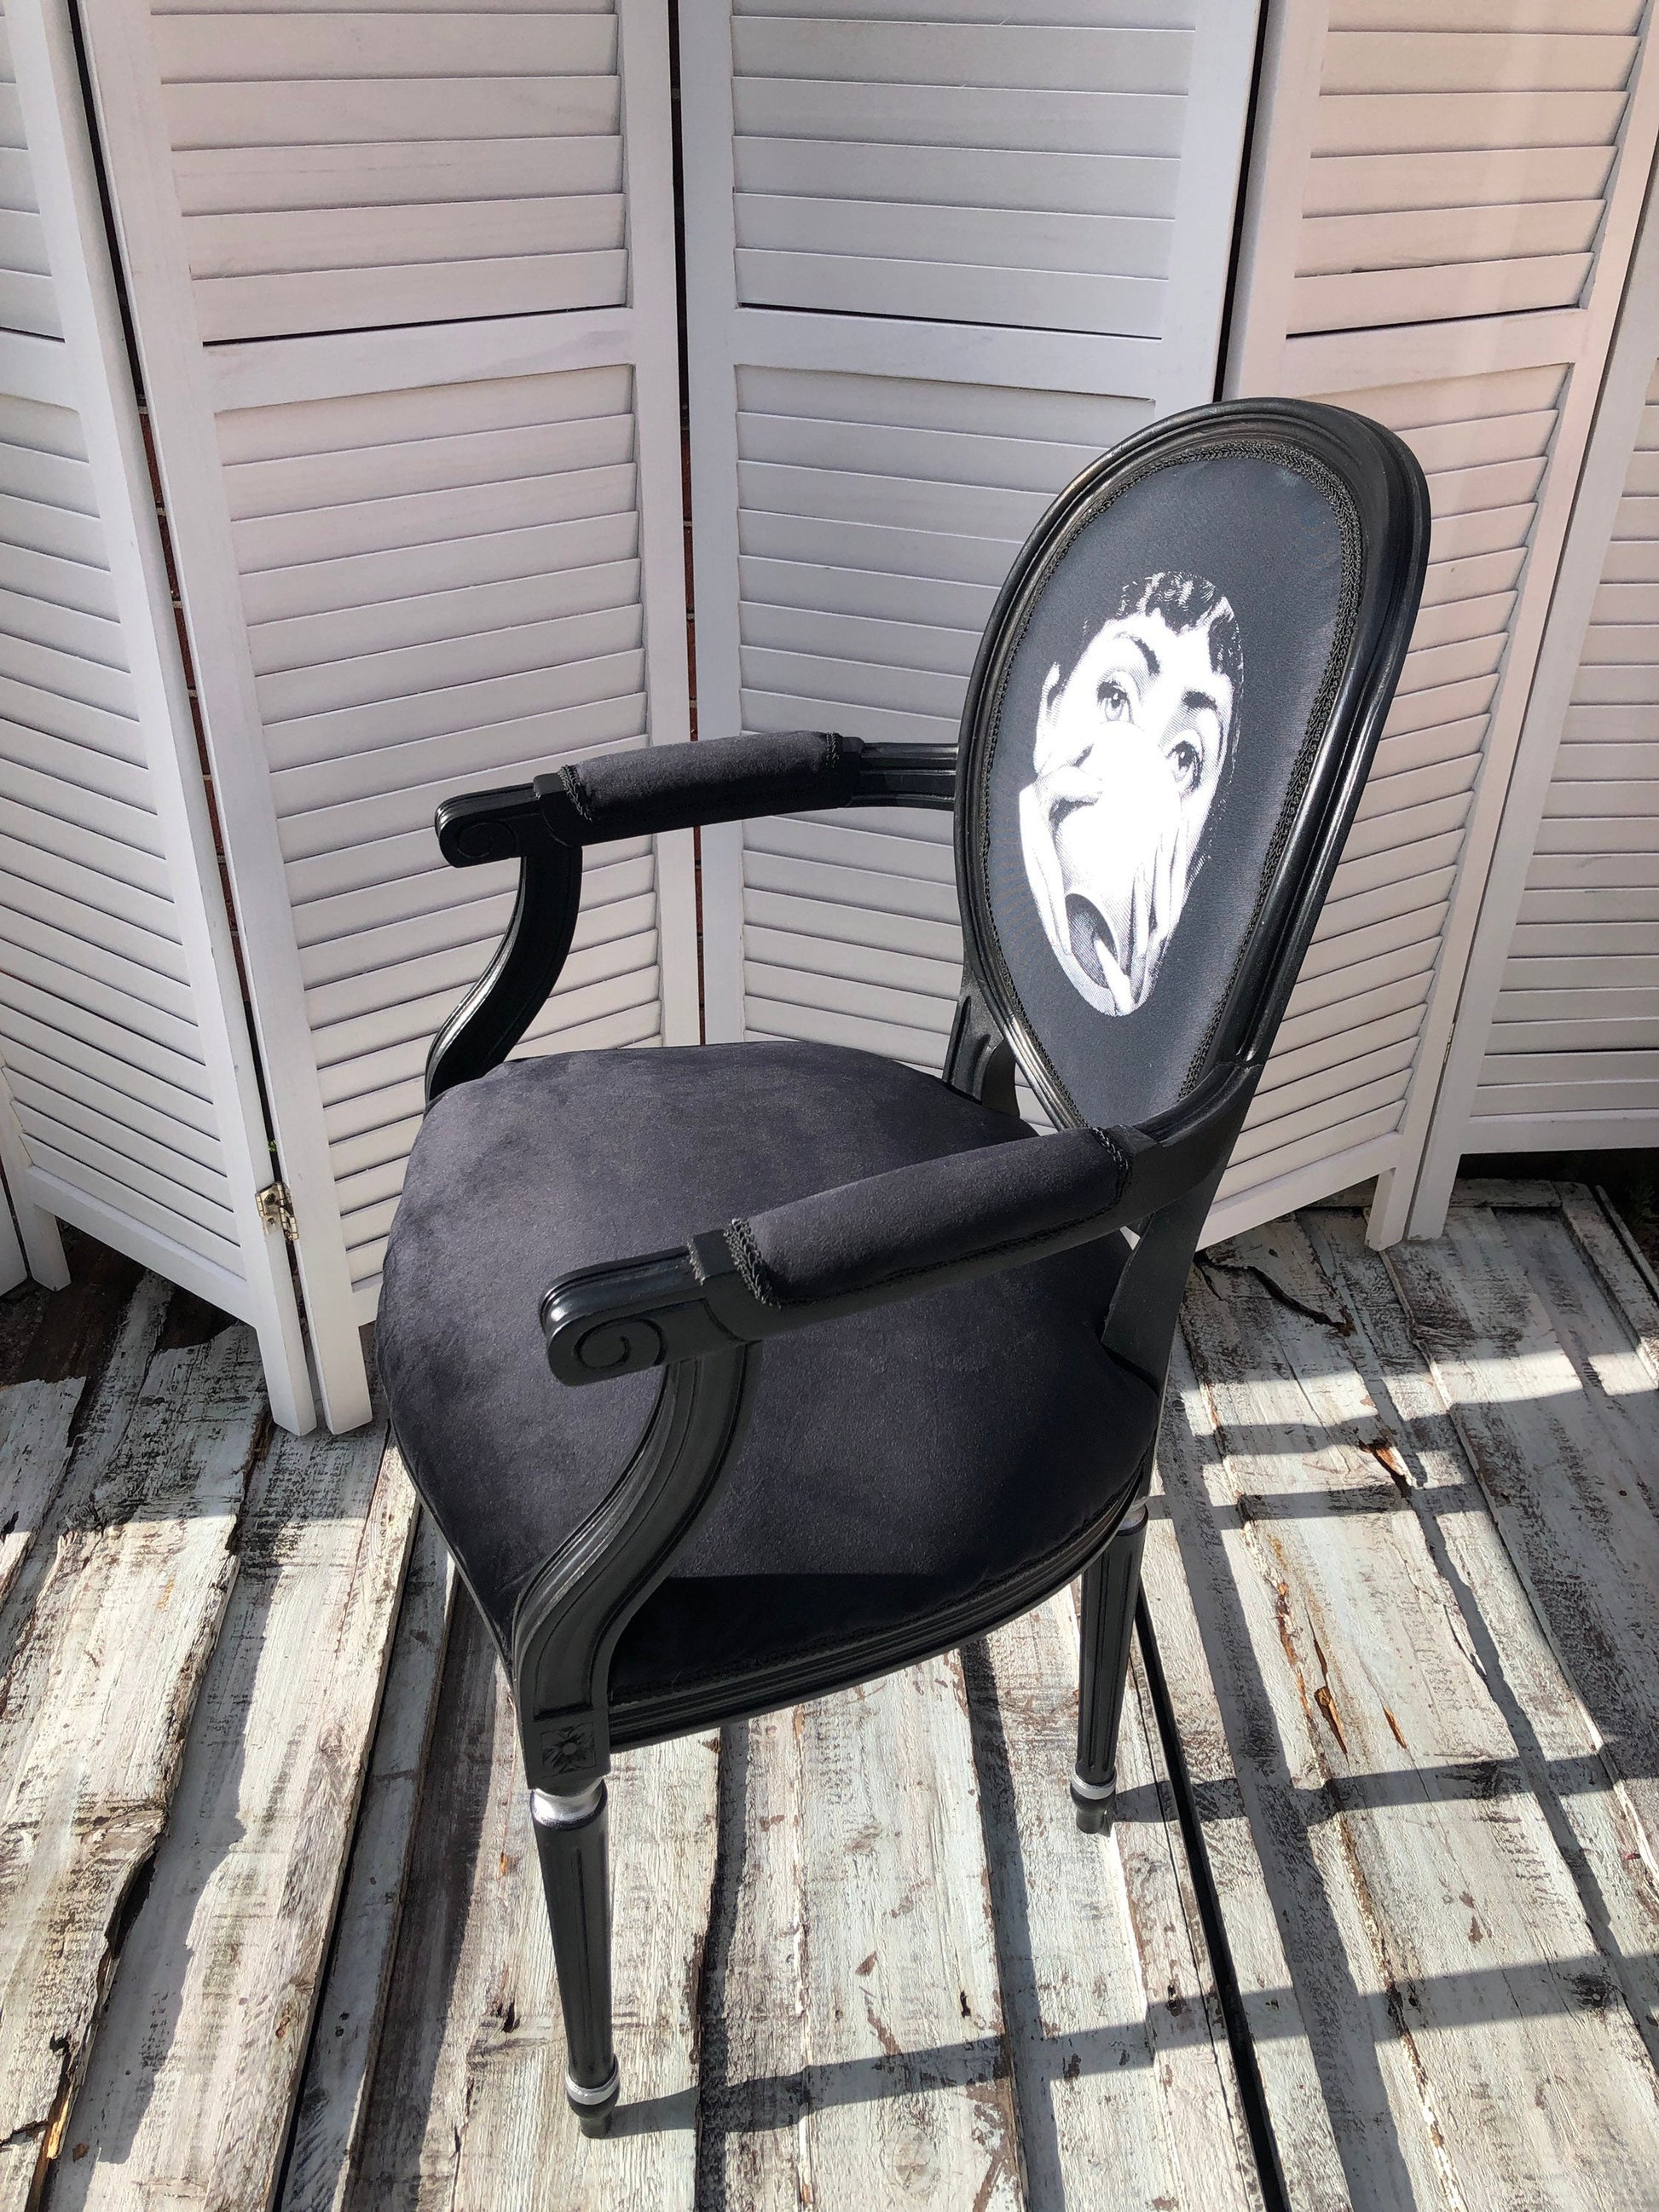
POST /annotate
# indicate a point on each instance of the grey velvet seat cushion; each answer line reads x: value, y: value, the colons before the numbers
x: 896, y: 1459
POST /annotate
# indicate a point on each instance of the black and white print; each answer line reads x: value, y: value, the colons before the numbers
x: 1131, y: 745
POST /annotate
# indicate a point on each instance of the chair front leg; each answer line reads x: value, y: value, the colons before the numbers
x: 570, y: 1843
x: 564, y: 1631
x: 1110, y: 1584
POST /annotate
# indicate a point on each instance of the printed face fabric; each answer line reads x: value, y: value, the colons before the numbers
x: 1130, y: 751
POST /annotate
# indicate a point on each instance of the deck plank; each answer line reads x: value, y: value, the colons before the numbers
x: 193, y: 2075
x: 466, y: 2110
x: 35, y: 1421
x: 1592, y: 1323
x: 1569, y: 1468
x: 333, y: 2095
x: 1558, y: 1744
x: 1512, y: 1193
x: 908, y: 2094
x: 440, y: 1984
x: 751, y: 2082
x: 1309, y: 2161
x: 1123, y: 2077
x: 91, y: 1742
x: 1465, y: 1961
x: 112, y: 1379
x: 1608, y: 1245
x: 851, y: 2011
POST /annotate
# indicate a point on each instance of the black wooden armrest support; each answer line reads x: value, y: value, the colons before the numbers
x: 544, y: 825
x: 889, y: 1237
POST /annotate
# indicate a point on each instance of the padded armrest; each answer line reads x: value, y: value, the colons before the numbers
x: 658, y: 787
x: 891, y: 1231
x: 661, y: 788
x: 890, y: 1236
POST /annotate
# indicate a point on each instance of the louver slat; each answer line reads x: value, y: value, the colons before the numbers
x: 849, y: 930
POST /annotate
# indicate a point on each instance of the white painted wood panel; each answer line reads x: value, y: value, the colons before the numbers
x: 361, y: 745
x: 877, y: 517
x: 131, y: 1102
x: 334, y: 173
x: 935, y: 266
x: 418, y: 559
x: 1439, y: 220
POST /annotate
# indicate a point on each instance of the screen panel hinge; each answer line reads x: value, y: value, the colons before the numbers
x: 275, y: 1204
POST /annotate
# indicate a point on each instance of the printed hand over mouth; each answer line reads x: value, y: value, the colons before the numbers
x: 1093, y: 945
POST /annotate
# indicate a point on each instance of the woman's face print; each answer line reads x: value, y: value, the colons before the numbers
x: 1128, y: 755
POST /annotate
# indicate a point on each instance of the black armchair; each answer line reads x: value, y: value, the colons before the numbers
x: 912, y: 1354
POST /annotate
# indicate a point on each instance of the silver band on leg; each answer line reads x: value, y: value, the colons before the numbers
x: 550, y: 1811
x: 590, y: 2099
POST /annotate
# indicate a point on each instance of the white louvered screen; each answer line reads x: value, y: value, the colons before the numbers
x: 935, y: 266
x: 339, y: 169
x: 1572, y: 1055
x: 131, y: 1106
x: 1437, y: 235
x: 417, y: 559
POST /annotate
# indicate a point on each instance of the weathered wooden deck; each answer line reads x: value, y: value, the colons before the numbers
x: 1387, y: 1936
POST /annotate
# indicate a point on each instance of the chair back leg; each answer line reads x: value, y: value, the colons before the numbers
x: 1110, y: 1584
x: 570, y: 1843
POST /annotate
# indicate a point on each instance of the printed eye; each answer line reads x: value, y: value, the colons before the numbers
x: 1114, y: 699
x: 1186, y: 761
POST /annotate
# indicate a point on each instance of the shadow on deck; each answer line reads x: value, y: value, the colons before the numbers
x: 1378, y: 1926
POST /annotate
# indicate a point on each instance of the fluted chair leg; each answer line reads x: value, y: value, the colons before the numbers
x: 570, y: 1843
x: 1110, y: 1585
